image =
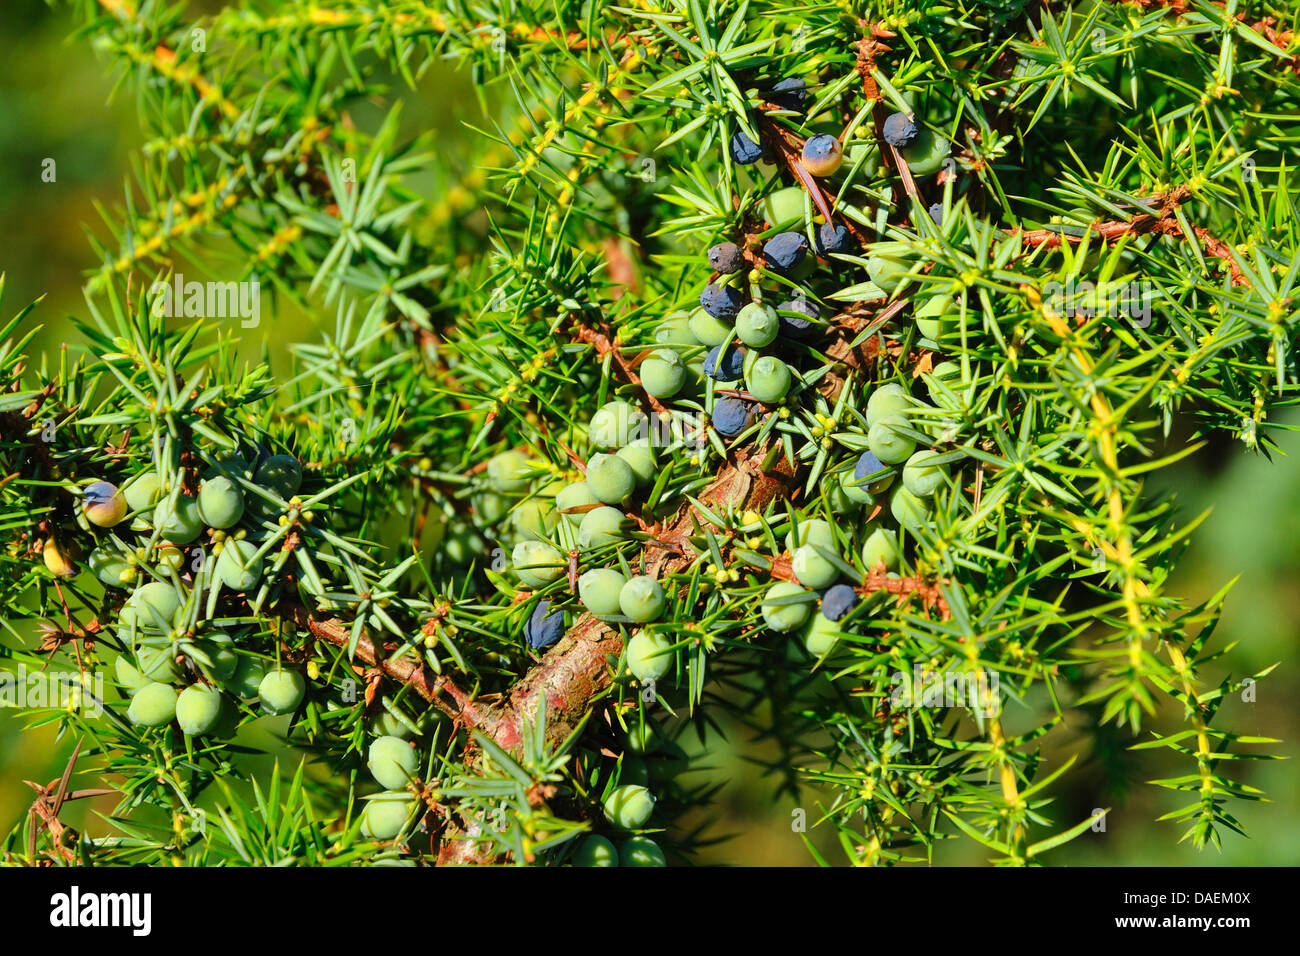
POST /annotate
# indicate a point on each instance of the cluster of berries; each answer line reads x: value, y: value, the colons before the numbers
x: 176, y: 660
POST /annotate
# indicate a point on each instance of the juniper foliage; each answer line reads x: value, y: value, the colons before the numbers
x: 496, y: 304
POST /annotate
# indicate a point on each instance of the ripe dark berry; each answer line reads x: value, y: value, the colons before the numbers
x: 900, y: 130
x: 726, y: 257
x: 839, y: 601
x: 822, y: 155
x: 789, y: 94
x: 867, y: 466
x: 784, y: 251
x: 731, y: 416
x: 936, y: 213
x: 833, y: 237
x: 802, y: 324
x: 721, y: 301
x: 543, y: 628
x: 744, y: 150
x: 727, y: 367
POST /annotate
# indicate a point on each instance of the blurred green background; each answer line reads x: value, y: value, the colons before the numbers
x: 56, y: 105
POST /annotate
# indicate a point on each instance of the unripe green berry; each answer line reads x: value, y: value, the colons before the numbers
x: 610, y: 478
x: 707, y: 329
x: 640, y: 457
x: 490, y: 506
x: 931, y: 318
x: 508, y: 472
x: 385, y: 814
x: 574, y: 495
x: 281, y: 691
x: 768, y: 379
x: 888, y: 270
x: 599, y: 589
x: 110, y: 567
x: 221, y: 503
x: 151, y: 607
x: 784, y: 206
x: 663, y: 373
x: 247, y: 677
x: 282, y: 474
x: 820, y: 635
x: 811, y: 531
x: 641, y: 851
x: 675, y: 331
x: 908, y: 510
x: 536, y: 563
x: 224, y: 659
x: 142, y: 492
x: 392, y: 762
x: 629, y: 807
x: 649, y: 656
x: 239, y: 567
x: 534, y: 518
x: 641, y: 598
x: 179, y: 522
x: 784, y: 618
x: 757, y: 325
x: 887, y: 440
x: 595, y: 851
x: 888, y: 399
x: 922, y: 478
x: 881, y: 548
x: 600, y: 527
x: 157, y: 664
x: 197, y: 709
x: 811, y: 568
x: 130, y: 679
x: 152, y: 706
x: 615, y: 424
x: 925, y: 154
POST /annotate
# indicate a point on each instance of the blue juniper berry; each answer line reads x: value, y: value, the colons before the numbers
x: 543, y: 629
